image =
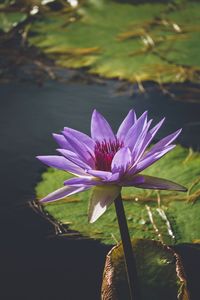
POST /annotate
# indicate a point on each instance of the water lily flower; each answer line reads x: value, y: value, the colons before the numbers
x: 107, y: 162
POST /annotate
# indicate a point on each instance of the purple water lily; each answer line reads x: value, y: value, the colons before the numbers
x: 106, y: 162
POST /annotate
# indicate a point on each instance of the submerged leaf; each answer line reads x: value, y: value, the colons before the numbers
x: 160, y: 273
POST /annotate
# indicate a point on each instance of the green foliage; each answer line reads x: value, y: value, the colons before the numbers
x: 154, y: 41
x: 9, y: 20
x: 181, y: 210
x: 154, y: 262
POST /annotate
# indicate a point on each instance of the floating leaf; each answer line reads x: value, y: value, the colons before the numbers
x: 153, y: 215
x: 142, y: 42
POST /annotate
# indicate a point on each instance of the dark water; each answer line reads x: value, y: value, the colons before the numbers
x: 35, y: 264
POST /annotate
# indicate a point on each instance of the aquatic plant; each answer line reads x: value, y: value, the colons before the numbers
x: 143, y: 207
x: 107, y: 162
x: 145, y: 42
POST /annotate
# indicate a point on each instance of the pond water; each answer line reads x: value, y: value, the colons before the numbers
x: 35, y: 263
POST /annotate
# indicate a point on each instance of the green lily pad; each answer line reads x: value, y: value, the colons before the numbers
x: 171, y: 217
x: 142, y: 42
x: 9, y: 20
x: 160, y: 273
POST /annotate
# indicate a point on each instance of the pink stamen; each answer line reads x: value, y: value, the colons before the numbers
x: 104, y: 153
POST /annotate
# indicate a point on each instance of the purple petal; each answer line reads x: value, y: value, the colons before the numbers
x: 148, y: 161
x: 132, y: 181
x: 138, y: 145
x: 151, y: 182
x: 164, y: 142
x: 114, y: 178
x: 82, y: 137
x: 80, y: 181
x: 121, y: 160
x: 149, y: 137
x: 80, y: 149
x: 74, y: 158
x: 59, y: 162
x: 104, y: 175
x: 157, y: 151
x: 100, y: 129
x: 126, y: 125
x: 101, y: 198
x: 61, y: 141
x: 67, y: 153
x: 63, y: 192
x: 135, y: 131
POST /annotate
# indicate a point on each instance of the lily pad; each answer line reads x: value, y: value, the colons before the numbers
x: 170, y: 217
x: 157, y: 42
x: 154, y: 262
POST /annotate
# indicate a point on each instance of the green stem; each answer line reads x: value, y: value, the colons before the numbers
x: 129, y: 257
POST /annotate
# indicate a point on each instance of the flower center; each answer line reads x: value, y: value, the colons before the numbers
x: 104, y: 152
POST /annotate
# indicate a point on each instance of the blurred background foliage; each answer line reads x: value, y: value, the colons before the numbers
x: 133, y: 40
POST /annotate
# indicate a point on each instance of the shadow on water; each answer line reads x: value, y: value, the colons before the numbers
x: 36, y: 264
